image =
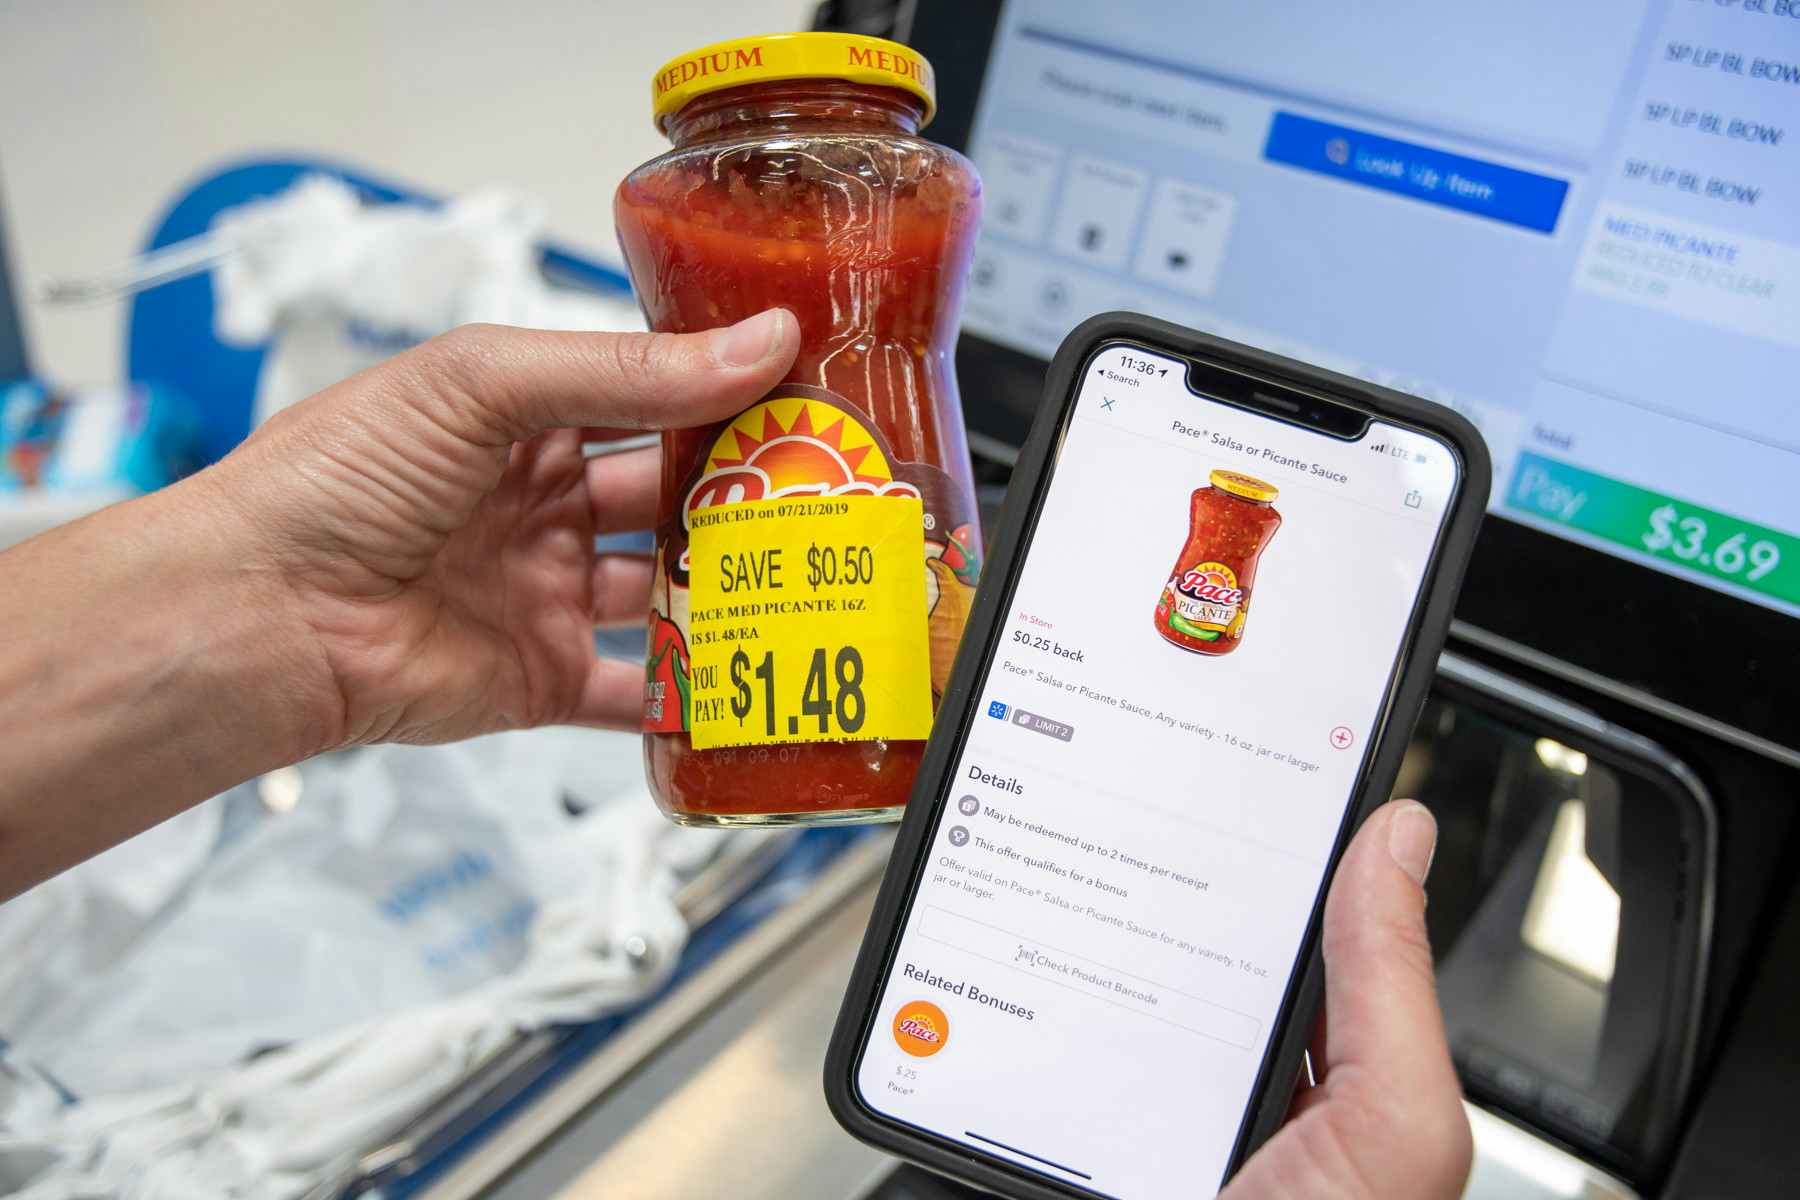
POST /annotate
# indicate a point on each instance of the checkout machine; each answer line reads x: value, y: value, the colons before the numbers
x: 1567, y: 221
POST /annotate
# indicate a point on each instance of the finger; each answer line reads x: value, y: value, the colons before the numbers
x: 1309, y: 1090
x: 1386, y: 1055
x: 1305, y: 1095
x: 623, y: 489
x: 1380, y: 998
x: 1387, y: 1117
x: 491, y: 383
x: 621, y: 588
x: 612, y: 697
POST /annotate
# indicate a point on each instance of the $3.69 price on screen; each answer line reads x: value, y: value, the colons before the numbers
x: 807, y: 619
x: 1687, y: 537
x: 1681, y: 534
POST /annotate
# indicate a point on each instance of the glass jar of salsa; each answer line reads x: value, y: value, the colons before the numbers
x: 1203, y: 606
x: 798, y: 180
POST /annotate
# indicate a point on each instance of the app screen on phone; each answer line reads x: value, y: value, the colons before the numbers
x: 1201, y: 641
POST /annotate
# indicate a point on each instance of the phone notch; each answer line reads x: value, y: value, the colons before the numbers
x: 1273, y: 398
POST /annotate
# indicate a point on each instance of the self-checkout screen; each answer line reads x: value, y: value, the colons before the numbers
x: 1192, y: 663
x: 1575, y: 223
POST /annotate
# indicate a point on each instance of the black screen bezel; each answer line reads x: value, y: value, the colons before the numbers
x: 1408, y: 684
x: 14, y: 365
x: 1689, y: 646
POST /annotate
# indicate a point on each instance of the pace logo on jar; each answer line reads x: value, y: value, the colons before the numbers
x: 921, y: 1028
x: 1207, y: 596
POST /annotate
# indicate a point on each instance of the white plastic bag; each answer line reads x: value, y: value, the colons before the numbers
x: 418, y: 906
x: 56, y: 938
x: 336, y: 286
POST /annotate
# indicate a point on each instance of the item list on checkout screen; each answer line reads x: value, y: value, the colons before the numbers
x: 1135, y: 832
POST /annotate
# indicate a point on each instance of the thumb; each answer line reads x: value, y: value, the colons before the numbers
x: 1387, y: 1063
x: 1386, y: 1119
x: 1381, y: 1009
x: 495, y: 385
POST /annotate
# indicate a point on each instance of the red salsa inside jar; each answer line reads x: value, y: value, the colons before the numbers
x: 798, y: 180
x: 1207, y: 598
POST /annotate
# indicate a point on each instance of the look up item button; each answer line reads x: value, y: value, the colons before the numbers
x: 1482, y: 189
x: 1043, y: 725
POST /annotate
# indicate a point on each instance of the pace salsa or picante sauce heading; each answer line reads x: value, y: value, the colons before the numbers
x: 1206, y: 601
x: 793, y: 662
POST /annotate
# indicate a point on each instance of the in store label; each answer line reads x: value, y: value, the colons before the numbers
x: 807, y: 621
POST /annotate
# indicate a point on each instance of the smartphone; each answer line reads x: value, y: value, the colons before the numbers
x: 1214, y: 605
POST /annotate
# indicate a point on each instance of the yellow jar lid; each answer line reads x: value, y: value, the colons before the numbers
x: 847, y: 56
x: 1247, y: 486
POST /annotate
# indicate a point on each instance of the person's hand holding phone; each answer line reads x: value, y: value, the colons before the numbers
x: 1385, y: 1118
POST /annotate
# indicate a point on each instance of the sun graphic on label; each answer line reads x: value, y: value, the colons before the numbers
x: 793, y: 446
x: 921, y: 1028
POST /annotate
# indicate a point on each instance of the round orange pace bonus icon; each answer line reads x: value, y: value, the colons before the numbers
x: 921, y: 1028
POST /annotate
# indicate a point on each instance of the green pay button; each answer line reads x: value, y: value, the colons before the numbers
x: 1684, y: 535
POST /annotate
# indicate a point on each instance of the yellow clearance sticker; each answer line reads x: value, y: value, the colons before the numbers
x: 807, y: 621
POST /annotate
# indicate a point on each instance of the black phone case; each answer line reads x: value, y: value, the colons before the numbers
x: 1425, y: 638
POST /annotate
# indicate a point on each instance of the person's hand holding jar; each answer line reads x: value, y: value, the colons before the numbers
x: 407, y: 556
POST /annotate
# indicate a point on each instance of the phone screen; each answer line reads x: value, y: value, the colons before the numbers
x: 1201, y: 640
